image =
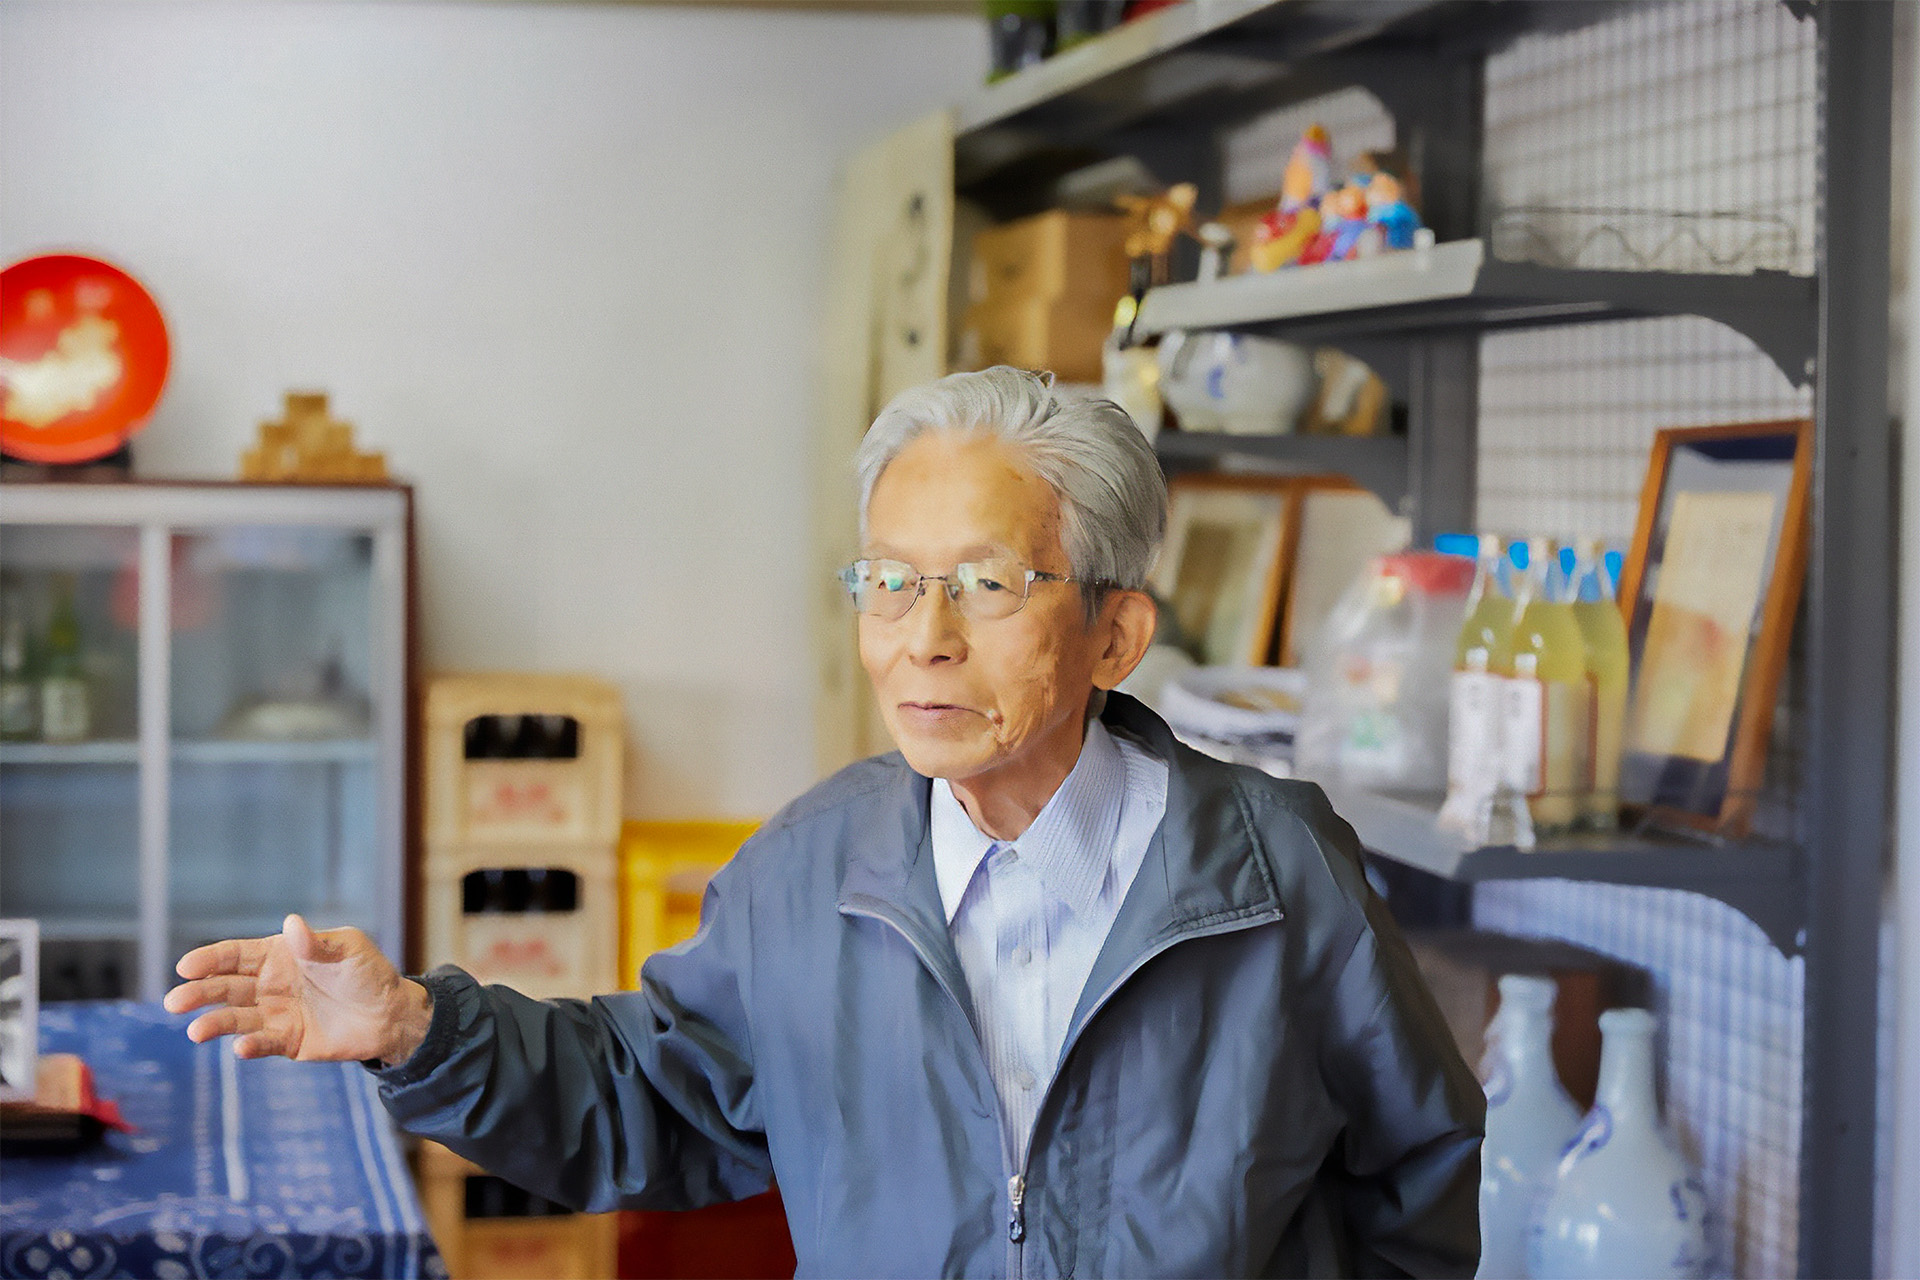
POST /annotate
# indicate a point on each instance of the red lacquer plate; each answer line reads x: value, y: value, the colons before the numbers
x: 83, y: 356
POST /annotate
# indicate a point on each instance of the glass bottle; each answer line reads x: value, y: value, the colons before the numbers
x: 1597, y: 608
x: 1530, y: 1121
x: 1476, y: 701
x: 1545, y: 725
x: 65, y: 713
x: 1624, y: 1201
x: 19, y: 696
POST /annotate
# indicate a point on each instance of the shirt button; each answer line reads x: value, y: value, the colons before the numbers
x: 1023, y: 1078
x: 1023, y: 957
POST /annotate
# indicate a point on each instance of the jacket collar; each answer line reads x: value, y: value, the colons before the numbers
x: 1202, y: 872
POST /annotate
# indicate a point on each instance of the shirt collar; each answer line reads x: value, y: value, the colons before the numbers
x: 1069, y: 845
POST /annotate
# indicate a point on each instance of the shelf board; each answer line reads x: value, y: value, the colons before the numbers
x: 1458, y: 285
x: 96, y: 751
x: 1202, y: 65
x: 1759, y: 878
x: 1378, y: 463
x: 124, y: 751
x: 255, y: 751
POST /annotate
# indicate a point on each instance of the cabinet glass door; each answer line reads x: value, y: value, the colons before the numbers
x: 273, y: 747
x: 69, y: 751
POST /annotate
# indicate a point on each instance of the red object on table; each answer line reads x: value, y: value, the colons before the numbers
x: 744, y: 1241
x: 83, y: 356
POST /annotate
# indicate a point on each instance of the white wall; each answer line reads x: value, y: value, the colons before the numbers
x: 561, y: 262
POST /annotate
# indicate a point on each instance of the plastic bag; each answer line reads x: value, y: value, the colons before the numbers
x: 1375, y: 711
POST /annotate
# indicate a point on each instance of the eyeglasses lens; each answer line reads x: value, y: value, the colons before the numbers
x: 983, y: 591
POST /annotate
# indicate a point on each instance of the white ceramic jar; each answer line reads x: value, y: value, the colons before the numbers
x: 1530, y: 1121
x: 1625, y: 1203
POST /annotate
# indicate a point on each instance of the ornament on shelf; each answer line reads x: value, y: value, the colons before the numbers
x: 1316, y: 221
x: 1295, y: 221
x: 1530, y: 1121
x: 1625, y: 1201
x: 1156, y: 222
x: 310, y: 446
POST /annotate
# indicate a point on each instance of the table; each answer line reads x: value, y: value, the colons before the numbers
x: 258, y: 1168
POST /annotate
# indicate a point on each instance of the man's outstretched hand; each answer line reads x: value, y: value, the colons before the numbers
x: 315, y: 997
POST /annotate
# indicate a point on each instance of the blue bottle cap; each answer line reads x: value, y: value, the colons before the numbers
x: 1457, y: 544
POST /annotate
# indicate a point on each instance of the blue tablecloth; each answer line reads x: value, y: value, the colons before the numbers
x: 260, y: 1168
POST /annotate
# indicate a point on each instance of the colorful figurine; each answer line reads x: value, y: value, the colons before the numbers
x: 1343, y: 220
x: 1291, y: 226
x: 1389, y: 213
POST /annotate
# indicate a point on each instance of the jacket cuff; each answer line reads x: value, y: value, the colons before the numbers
x: 441, y: 1032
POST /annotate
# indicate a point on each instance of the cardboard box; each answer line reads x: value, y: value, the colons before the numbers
x: 1050, y: 256
x: 1065, y: 336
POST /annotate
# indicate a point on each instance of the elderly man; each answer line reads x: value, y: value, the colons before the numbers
x: 1045, y: 993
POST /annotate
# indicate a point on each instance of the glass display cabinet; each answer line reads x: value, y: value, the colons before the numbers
x: 203, y: 718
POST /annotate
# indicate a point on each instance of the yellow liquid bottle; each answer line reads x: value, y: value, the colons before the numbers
x: 1476, y: 701
x: 1545, y: 725
x: 1605, y: 632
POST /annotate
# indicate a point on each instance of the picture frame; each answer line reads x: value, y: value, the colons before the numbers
x: 19, y: 1009
x: 1339, y: 529
x: 1708, y: 594
x: 1224, y: 567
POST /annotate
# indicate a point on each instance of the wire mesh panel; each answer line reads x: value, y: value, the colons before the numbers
x: 1689, y: 126
x: 1673, y: 137
x: 1730, y: 1015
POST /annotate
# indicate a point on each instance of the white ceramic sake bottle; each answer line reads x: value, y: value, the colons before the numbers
x: 1530, y: 1121
x: 1625, y: 1202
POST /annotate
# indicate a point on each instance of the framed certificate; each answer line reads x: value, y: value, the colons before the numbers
x: 1709, y: 594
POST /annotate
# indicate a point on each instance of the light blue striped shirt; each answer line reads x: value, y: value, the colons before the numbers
x: 1028, y: 917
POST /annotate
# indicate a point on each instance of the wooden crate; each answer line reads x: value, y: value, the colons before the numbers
x: 664, y: 869
x: 575, y: 1246
x: 520, y: 801
x: 539, y: 953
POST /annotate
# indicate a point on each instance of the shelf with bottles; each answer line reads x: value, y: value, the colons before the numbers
x: 1760, y: 878
x: 1461, y: 285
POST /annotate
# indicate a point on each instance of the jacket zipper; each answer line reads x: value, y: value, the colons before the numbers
x: 1016, y: 1226
x: 1016, y: 1182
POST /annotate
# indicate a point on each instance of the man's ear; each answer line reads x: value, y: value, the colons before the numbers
x: 1127, y: 623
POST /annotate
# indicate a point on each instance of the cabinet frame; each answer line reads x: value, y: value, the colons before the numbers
x: 158, y: 511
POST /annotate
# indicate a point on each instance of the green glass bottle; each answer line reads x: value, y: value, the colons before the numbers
x: 65, y: 710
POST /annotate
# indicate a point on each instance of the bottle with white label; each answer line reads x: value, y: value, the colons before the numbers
x: 1544, y: 729
x: 1475, y: 700
x: 1605, y: 632
x: 1625, y: 1202
x: 1530, y: 1121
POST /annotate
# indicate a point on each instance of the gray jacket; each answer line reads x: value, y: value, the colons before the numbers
x: 1255, y: 1082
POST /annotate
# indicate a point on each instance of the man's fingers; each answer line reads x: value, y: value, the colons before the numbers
x: 226, y: 1021
x: 230, y: 989
x: 236, y: 955
x: 264, y: 1044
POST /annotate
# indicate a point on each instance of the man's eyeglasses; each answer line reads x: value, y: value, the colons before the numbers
x: 982, y: 591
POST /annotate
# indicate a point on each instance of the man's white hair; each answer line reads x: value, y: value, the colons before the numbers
x: 1112, y: 493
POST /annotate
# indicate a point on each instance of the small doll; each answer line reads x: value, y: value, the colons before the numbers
x: 1286, y: 230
